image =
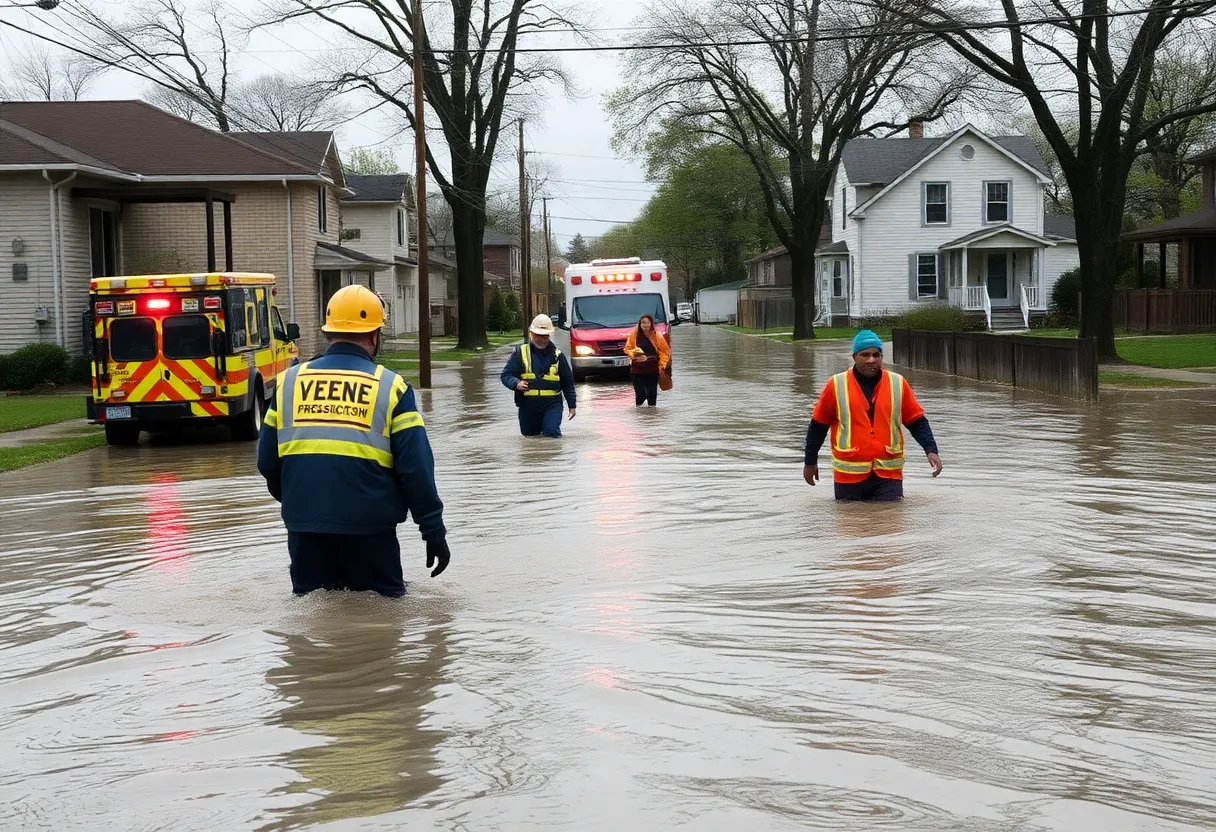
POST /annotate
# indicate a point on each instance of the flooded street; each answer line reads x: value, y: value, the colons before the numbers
x: 652, y: 624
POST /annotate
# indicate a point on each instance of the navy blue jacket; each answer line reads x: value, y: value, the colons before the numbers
x: 542, y: 360
x: 343, y: 495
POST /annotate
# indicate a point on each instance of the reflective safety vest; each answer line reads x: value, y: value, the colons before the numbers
x: 550, y: 384
x: 338, y: 412
x: 860, y: 447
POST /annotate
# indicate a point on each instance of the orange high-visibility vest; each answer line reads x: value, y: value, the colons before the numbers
x: 860, y: 447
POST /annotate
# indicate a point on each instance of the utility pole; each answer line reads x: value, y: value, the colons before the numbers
x: 525, y: 226
x: 548, y: 262
x: 424, y: 277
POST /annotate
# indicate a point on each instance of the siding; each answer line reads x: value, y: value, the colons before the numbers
x: 1064, y: 257
x: 377, y: 224
x: 26, y: 214
x: 892, y: 226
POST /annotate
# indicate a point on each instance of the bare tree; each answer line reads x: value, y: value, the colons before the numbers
x: 797, y: 98
x: 37, y: 74
x: 1091, y: 64
x: 276, y: 102
x: 473, y: 77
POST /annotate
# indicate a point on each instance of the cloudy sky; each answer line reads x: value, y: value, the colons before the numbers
x: 591, y: 185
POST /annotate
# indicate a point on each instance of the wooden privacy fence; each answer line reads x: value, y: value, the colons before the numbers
x: 1165, y: 310
x: 1065, y: 367
x: 766, y: 313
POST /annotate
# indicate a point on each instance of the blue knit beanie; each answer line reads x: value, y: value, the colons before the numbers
x: 866, y: 340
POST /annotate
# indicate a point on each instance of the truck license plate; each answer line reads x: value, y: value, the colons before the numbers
x: 121, y: 412
x: 620, y: 362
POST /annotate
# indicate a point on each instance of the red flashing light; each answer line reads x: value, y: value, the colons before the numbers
x: 211, y: 303
x: 576, y: 281
x: 656, y: 275
x: 158, y: 304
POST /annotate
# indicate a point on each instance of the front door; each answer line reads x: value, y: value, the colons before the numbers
x: 998, y: 278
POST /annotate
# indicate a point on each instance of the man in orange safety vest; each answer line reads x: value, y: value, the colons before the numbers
x: 865, y: 409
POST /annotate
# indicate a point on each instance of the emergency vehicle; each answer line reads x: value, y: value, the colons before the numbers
x: 604, y: 300
x: 184, y: 349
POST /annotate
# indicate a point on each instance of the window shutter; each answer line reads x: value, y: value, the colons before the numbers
x: 942, y: 291
x: 912, y: 295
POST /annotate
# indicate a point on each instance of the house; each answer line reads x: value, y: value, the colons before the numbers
x: 718, y: 304
x: 1195, y: 235
x: 501, y: 254
x: 955, y: 219
x: 380, y: 220
x: 102, y: 188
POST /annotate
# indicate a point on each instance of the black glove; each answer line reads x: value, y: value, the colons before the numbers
x: 437, y: 550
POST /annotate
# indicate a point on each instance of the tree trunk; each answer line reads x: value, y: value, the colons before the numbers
x: 802, y: 274
x: 468, y: 231
x: 1098, y: 232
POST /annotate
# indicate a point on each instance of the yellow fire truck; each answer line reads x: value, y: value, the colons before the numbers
x: 185, y: 349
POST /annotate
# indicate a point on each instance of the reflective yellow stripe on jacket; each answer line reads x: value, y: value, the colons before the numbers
x: 843, y: 441
x: 338, y: 413
x: 552, y: 376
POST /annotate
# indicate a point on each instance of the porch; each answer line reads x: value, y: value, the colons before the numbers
x: 997, y: 271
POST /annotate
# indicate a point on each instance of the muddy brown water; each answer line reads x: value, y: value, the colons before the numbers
x: 652, y: 624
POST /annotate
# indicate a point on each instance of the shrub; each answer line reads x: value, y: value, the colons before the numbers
x: 938, y: 318
x: 36, y: 364
x: 1064, y: 295
x: 880, y: 320
x: 496, y: 315
x: 4, y: 363
x: 82, y: 370
x: 515, y: 311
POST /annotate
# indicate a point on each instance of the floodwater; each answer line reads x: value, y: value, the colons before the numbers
x: 653, y: 624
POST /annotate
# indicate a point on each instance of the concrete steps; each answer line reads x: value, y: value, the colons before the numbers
x: 1007, y: 320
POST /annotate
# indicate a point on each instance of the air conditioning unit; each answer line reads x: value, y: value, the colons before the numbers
x: 42, y: 314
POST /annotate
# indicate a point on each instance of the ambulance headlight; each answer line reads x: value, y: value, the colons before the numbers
x: 583, y: 349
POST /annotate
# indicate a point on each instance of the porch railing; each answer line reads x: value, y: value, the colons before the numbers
x: 956, y: 295
x: 1034, y: 296
x: 977, y: 297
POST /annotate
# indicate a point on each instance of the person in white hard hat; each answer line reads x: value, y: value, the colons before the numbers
x: 540, y: 375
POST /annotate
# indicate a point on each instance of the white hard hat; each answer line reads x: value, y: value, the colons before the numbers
x: 542, y: 325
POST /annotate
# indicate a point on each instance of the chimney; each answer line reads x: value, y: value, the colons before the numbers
x: 916, y: 129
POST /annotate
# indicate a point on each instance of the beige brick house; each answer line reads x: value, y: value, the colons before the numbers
x: 98, y: 188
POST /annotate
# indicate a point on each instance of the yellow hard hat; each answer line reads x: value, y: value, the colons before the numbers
x: 354, y: 309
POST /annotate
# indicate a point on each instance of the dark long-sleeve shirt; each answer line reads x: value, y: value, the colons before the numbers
x: 817, y: 432
x: 541, y: 361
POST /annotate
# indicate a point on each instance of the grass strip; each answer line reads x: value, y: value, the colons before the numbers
x: 1116, y: 378
x: 23, y: 456
x: 24, y: 412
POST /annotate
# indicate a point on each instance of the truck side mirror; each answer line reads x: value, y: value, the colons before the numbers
x: 293, y: 332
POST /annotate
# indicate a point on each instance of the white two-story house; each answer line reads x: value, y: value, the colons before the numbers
x: 957, y: 219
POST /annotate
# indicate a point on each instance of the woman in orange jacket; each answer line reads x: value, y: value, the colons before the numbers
x: 650, y: 354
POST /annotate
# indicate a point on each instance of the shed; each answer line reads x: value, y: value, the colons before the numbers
x: 718, y: 304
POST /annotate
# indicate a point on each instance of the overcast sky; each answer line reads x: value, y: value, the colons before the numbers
x: 593, y: 185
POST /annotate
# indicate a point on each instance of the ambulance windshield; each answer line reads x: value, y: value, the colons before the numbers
x: 616, y: 311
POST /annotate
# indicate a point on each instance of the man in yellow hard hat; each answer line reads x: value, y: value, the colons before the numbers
x: 540, y: 375
x: 343, y: 448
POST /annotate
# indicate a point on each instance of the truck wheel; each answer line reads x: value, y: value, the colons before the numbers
x: 580, y: 376
x: 122, y: 434
x: 246, y: 426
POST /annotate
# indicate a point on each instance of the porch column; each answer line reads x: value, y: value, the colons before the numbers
x: 1040, y: 255
x: 1139, y: 265
x: 210, y: 208
x: 1185, y: 280
x: 227, y: 236
x: 1161, y: 265
x: 966, y: 276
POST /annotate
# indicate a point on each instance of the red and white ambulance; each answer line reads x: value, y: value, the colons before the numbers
x: 604, y: 300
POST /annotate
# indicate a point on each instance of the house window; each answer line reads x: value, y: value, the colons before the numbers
x: 322, y: 210
x: 766, y: 274
x: 400, y: 226
x: 103, y: 243
x: 996, y: 202
x: 838, y: 278
x: 937, y: 203
x: 926, y: 276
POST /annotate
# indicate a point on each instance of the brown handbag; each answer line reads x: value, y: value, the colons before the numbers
x: 664, y: 378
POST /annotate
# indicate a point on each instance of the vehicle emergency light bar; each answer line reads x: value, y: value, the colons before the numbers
x: 616, y: 278
x: 158, y: 305
x: 618, y: 261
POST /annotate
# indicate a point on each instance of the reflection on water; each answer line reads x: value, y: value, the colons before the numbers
x: 652, y: 623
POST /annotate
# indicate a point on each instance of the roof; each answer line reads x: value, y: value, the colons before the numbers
x: 133, y: 137
x: 1200, y: 158
x: 882, y: 161
x: 330, y: 255
x: 1200, y: 222
x: 767, y: 255
x: 308, y: 148
x: 389, y: 187
x: 992, y: 231
x: 1055, y: 225
x: 838, y: 247
x: 725, y: 287
x: 490, y: 238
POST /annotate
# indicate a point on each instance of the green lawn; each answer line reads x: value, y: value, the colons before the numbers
x: 23, y: 455
x: 1169, y: 352
x: 21, y: 412
x: 1051, y: 333
x: 1116, y: 378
